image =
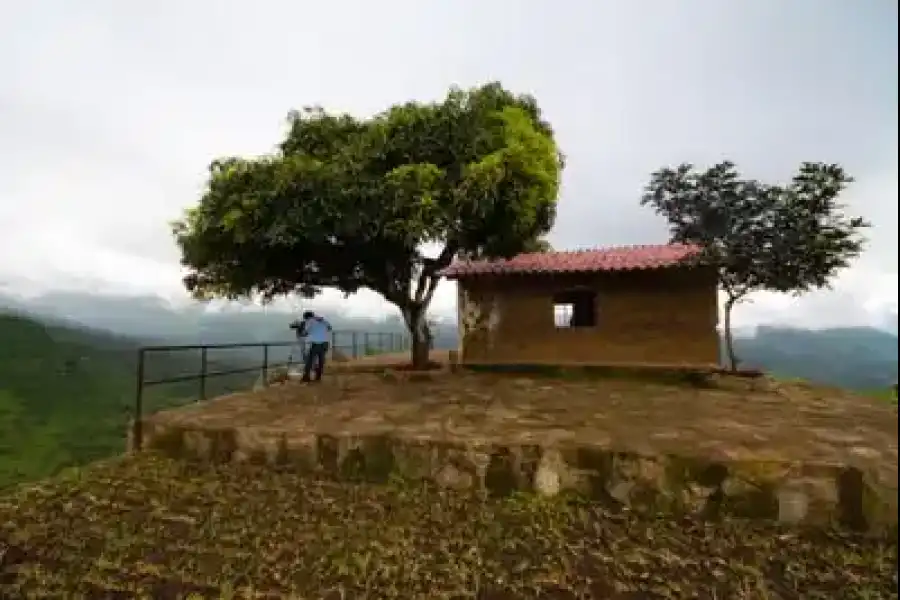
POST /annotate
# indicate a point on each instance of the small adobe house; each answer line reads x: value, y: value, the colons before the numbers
x: 645, y: 305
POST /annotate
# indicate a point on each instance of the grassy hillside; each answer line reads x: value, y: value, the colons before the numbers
x: 67, y: 394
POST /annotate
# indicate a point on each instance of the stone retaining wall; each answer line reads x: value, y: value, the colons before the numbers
x: 791, y: 493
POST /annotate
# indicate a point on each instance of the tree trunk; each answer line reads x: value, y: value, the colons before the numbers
x: 421, y: 344
x: 420, y: 336
x: 729, y: 340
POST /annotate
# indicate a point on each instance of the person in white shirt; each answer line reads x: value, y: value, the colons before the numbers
x: 317, y: 331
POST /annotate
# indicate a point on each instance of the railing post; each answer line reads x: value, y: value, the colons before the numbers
x: 137, y: 434
x: 355, y: 350
x: 333, y: 343
x: 265, y: 366
x: 365, y: 343
x: 203, y: 373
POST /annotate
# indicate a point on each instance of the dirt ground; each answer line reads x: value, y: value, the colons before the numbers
x: 731, y: 421
x: 145, y: 527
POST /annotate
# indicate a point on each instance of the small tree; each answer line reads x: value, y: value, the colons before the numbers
x: 349, y: 203
x: 791, y: 238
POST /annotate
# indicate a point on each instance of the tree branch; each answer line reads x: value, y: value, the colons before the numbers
x: 429, y: 293
x: 428, y: 280
x: 421, y: 284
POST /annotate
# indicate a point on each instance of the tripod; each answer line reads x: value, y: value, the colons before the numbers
x: 302, y: 348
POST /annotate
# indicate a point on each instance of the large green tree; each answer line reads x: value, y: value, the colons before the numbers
x: 785, y: 238
x: 352, y: 203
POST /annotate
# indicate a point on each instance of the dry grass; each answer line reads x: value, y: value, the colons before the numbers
x: 148, y: 527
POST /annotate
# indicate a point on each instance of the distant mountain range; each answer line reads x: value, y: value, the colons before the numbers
x: 151, y: 318
x: 860, y: 358
x: 853, y: 357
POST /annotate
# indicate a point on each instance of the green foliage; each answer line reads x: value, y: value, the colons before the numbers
x: 538, y: 245
x: 889, y: 395
x: 67, y: 395
x: 759, y: 236
x: 348, y: 203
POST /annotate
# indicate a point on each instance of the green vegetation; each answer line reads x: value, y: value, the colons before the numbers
x: 348, y: 203
x: 888, y: 395
x: 760, y: 236
x: 152, y: 528
x: 67, y: 394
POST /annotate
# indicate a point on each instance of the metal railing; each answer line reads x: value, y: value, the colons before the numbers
x: 357, y: 345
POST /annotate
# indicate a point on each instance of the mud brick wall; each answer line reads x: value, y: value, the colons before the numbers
x: 662, y: 316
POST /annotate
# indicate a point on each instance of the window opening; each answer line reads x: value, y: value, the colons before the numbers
x: 562, y: 314
x: 575, y: 308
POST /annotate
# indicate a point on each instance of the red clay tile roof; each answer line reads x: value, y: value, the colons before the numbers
x: 624, y: 258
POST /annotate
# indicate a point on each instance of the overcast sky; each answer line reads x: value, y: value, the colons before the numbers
x: 110, y: 112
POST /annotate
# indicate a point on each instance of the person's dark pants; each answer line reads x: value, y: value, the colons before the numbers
x: 315, y: 355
